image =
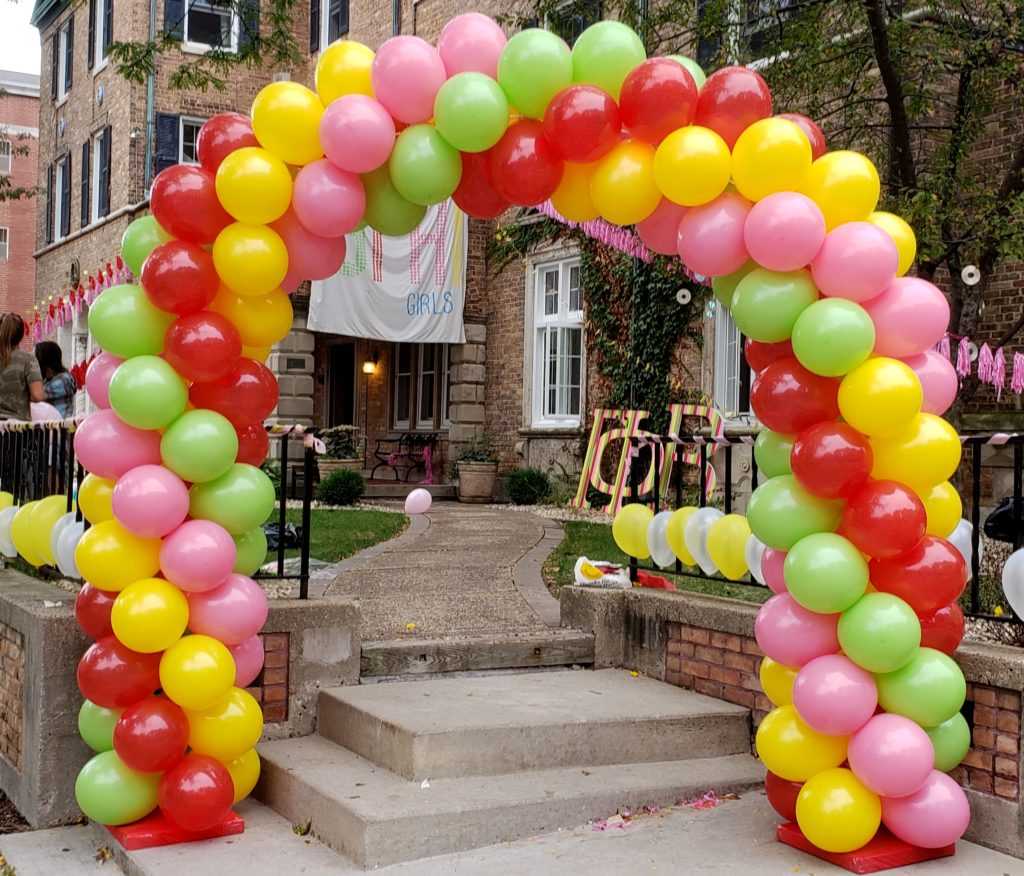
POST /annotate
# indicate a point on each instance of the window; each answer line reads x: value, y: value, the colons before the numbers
x: 731, y: 374
x: 6, y: 157
x: 558, y: 345
x: 188, y: 137
x: 101, y: 32
x: 420, y: 386
x: 211, y: 24
x: 4, y: 244
x: 570, y: 19
x: 58, y: 200
x: 328, y: 21
x: 63, y: 49
x: 403, y: 385
x: 99, y: 198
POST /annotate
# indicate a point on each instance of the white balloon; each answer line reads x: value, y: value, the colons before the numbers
x: 960, y: 538
x: 657, y: 543
x: 696, y: 537
x: 1013, y: 581
x: 7, y: 547
x: 66, y: 544
x: 753, y: 553
x: 58, y: 528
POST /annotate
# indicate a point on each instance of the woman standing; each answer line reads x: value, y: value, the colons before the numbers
x: 20, y: 380
x: 60, y: 387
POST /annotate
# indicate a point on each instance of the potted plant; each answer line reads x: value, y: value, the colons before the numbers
x: 477, y: 468
x: 342, y: 450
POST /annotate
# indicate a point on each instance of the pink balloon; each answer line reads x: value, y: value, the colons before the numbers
x: 310, y: 257
x: 856, y: 261
x: 198, y: 556
x: 357, y: 133
x: 418, y: 501
x: 248, y: 660
x: 891, y: 755
x: 150, y: 501
x: 711, y: 236
x: 784, y: 231
x: 936, y: 815
x: 835, y: 696
x: 938, y: 380
x: 791, y: 635
x: 233, y: 612
x: 910, y: 316
x: 108, y: 447
x: 772, y: 561
x: 471, y: 43
x: 97, y: 378
x: 660, y: 230
x: 406, y: 74
x: 329, y: 202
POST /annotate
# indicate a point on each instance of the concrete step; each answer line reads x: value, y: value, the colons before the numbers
x: 489, y: 725
x: 377, y: 818
x: 381, y: 489
x: 553, y: 647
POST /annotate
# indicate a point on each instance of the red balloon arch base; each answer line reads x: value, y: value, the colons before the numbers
x: 884, y: 852
x: 157, y: 829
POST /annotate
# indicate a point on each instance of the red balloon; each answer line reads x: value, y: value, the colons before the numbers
x: 884, y: 519
x: 246, y: 395
x: 731, y: 100
x: 220, y: 136
x: 476, y: 195
x: 185, y: 204
x: 151, y: 735
x: 253, y: 444
x: 92, y: 611
x: 180, y: 277
x: 203, y: 346
x: 810, y: 128
x: 929, y: 576
x: 582, y: 123
x: 114, y: 676
x: 196, y: 793
x: 831, y: 460
x: 788, y: 398
x: 944, y: 629
x: 525, y: 167
x: 782, y: 795
x: 657, y: 97
x: 760, y: 355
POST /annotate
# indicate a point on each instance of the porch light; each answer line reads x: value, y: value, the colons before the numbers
x: 370, y: 365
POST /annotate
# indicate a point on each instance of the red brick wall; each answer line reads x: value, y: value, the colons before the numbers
x: 271, y: 686
x: 991, y: 765
x: 17, y: 273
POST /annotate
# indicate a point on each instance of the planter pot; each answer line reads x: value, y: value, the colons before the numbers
x: 476, y: 481
x: 329, y: 466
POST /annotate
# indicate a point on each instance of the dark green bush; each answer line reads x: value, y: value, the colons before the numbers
x: 528, y: 486
x: 342, y: 487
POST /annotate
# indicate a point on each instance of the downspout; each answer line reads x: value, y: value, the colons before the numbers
x: 150, y: 105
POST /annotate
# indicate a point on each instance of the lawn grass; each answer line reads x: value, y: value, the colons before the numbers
x: 337, y: 534
x: 594, y: 540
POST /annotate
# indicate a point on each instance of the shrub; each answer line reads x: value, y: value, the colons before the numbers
x: 528, y: 486
x: 341, y: 442
x: 272, y: 469
x: 341, y: 488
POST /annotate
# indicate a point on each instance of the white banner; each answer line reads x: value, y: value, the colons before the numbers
x: 410, y: 288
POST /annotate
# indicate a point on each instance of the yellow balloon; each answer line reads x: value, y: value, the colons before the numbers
x: 792, y: 750
x: 228, y: 728
x: 254, y: 185
x: 692, y: 166
x: 623, y: 186
x: 196, y: 672
x: 629, y: 529
x: 344, y: 68
x: 675, y: 535
x: 726, y: 541
x: 245, y: 772
x: 286, y: 120
x: 572, y: 197
x: 250, y: 259
x: 6, y: 500
x: 45, y: 515
x: 110, y: 557
x: 22, y: 533
x: 94, y: 498
x: 149, y: 615
x: 926, y: 453
x: 777, y: 681
x: 880, y: 396
x: 944, y: 508
x: 261, y: 320
x: 902, y: 235
x: 258, y: 354
x: 844, y: 185
x: 772, y: 155
x: 837, y: 812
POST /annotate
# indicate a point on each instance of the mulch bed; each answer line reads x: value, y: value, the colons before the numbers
x: 10, y: 818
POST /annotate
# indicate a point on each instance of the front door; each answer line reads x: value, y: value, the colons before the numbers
x: 341, y: 384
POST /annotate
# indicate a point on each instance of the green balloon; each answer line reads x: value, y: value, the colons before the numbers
x: 929, y: 689
x: 425, y: 169
x: 239, y: 500
x: 604, y: 55
x: 471, y: 112
x: 693, y: 68
x: 199, y: 446
x: 109, y: 792
x: 251, y: 550
x: 140, y: 238
x: 147, y: 393
x: 781, y: 512
x: 725, y: 286
x: 833, y: 336
x: 96, y: 725
x: 126, y: 324
x: 386, y: 210
x: 771, y: 451
x: 879, y: 632
x: 766, y: 304
x: 825, y: 573
x: 534, y: 66
x: 950, y: 739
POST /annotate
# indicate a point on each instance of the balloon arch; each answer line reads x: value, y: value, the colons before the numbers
x: 866, y: 721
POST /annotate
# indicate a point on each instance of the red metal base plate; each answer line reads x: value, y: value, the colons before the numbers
x: 157, y: 829
x: 884, y: 852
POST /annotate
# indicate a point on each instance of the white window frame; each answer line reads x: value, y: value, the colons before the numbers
x: 395, y: 375
x: 99, y: 23
x: 182, y: 122
x: 94, y: 176
x: 202, y: 48
x: 546, y: 324
x: 435, y: 373
x: 5, y: 243
x: 325, y: 24
x: 58, y: 188
x: 6, y: 157
x: 62, y: 60
x: 446, y: 380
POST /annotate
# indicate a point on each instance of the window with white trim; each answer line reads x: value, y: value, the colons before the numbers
x: 211, y: 24
x: 419, y: 386
x: 64, y: 47
x: 731, y: 374
x: 5, y: 238
x: 333, y: 21
x: 61, y: 182
x: 558, y: 344
x: 101, y: 25
x: 6, y: 157
x: 97, y: 175
x: 188, y: 137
